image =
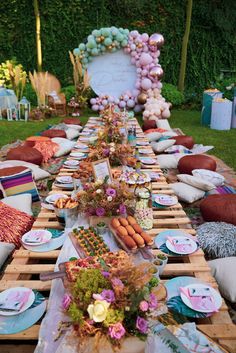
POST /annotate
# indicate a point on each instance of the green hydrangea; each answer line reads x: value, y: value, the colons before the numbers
x: 75, y: 313
x: 113, y: 316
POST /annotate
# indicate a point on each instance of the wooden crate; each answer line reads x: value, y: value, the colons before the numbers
x: 26, y: 266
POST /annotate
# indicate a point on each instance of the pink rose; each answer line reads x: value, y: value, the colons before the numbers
x: 116, y: 331
x: 142, y: 324
x: 66, y: 301
x: 143, y: 305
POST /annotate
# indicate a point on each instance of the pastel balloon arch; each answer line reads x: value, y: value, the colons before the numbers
x: 144, y: 51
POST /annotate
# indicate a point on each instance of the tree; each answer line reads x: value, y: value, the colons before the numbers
x: 184, y: 50
x: 38, y: 35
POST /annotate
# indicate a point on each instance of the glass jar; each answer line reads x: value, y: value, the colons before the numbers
x: 143, y: 207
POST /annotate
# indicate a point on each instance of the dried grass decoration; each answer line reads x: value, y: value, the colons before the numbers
x: 43, y: 84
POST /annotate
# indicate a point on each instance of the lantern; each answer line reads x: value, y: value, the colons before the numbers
x: 23, y: 109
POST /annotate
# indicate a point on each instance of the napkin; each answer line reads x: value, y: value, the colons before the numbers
x: 15, y: 301
x: 201, y: 303
x: 181, y: 245
x: 34, y: 238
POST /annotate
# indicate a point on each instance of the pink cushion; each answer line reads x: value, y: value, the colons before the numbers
x: 54, y: 133
x: 72, y: 121
x: 27, y: 154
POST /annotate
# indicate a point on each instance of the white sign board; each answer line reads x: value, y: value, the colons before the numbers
x: 112, y: 74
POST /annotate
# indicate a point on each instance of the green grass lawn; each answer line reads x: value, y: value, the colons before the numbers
x: 188, y: 121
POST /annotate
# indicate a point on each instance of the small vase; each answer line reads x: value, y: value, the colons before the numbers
x: 101, y: 229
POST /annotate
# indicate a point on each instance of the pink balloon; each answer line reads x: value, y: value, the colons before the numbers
x: 110, y: 99
x: 101, y: 107
x: 133, y: 53
x: 145, y: 49
x: 139, y: 70
x: 137, y: 108
x: 133, y: 61
x: 127, y: 50
x: 133, y: 47
x: 95, y: 107
x: 156, y: 39
x: 134, y: 34
x: 93, y: 101
x: 145, y: 59
x: 104, y: 102
x: 122, y: 104
x: 145, y: 37
x: 156, y: 71
x: 116, y: 101
x: 136, y: 92
x: 146, y: 83
x: 130, y: 103
x: 137, y: 84
x: 126, y: 98
x: 159, y: 85
x: 138, y: 64
x: 144, y: 72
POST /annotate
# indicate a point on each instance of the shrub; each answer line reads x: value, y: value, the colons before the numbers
x: 226, y: 86
x: 69, y: 92
x: 172, y: 95
x: 30, y: 94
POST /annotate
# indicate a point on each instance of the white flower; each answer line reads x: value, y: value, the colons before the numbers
x: 109, y: 198
x: 98, y: 310
x: 98, y: 191
x: 112, y: 149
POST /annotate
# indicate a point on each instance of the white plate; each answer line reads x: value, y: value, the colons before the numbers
x: 53, y: 244
x: 81, y: 146
x: 66, y: 179
x: 148, y: 160
x: 54, y: 197
x: 69, y: 186
x: 71, y: 163
x: 142, y: 143
x: 171, y: 247
x: 32, y: 234
x: 26, y: 306
x: 145, y: 151
x: 216, y: 297
x: 166, y: 200
x: 77, y: 154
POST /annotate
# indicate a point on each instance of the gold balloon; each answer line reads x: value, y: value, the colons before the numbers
x: 102, y: 38
x: 142, y: 98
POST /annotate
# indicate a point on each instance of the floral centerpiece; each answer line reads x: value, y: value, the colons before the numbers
x: 104, y: 200
x: 111, y: 116
x: 113, y: 303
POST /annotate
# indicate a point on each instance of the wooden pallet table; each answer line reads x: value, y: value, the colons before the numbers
x: 26, y: 266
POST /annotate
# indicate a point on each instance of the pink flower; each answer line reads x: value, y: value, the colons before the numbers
x: 116, y: 282
x: 142, y: 324
x: 116, y: 331
x: 108, y: 295
x: 122, y: 209
x: 143, y: 305
x: 66, y: 301
x: 152, y: 301
x: 111, y: 192
x: 97, y: 297
x: 106, y: 274
x: 100, y: 211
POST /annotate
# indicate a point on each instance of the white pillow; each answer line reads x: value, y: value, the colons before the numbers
x: 163, y: 124
x: 196, y: 182
x: 167, y: 161
x: 208, y: 175
x: 21, y: 202
x: 161, y: 146
x: 223, y: 271
x: 37, y: 172
x: 76, y: 127
x: 187, y: 193
x: 153, y: 136
x: 169, y: 133
x: 178, y: 149
x: 5, y: 250
x: 65, y: 146
x: 71, y: 134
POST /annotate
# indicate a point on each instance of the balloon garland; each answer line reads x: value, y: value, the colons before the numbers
x: 144, y: 51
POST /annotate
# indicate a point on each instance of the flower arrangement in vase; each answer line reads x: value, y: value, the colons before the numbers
x: 104, y: 200
x: 113, y: 302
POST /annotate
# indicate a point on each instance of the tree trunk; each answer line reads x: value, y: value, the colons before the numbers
x: 38, y: 37
x: 185, y: 46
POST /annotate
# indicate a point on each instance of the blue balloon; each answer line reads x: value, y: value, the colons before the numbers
x: 82, y: 46
x: 76, y: 51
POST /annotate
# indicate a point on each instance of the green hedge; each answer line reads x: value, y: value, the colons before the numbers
x: 65, y: 23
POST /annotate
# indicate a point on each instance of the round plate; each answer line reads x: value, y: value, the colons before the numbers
x: 64, y: 186
x: 42, y: 235
x: 171, y: 247
x: 166, y: 200
x: 54, y: 197
x: 6, y: 293
x: 81, y: 146
x: 145, y: 151
x: 64, y: 179
x: 142, y: 143
x: 216, y: 296
x: 53, y: 244
x: 77, y: 154
x: 147, y: 160
x: 71, y: 163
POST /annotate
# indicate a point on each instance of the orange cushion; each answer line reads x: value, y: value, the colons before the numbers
x: 186, y: 141
x: 72, y: 121
x: 219, y: 208
x: 155, y: 130
x: 197, y: 161
x: 30, y: 141
x: 27, y: 154
x: 11, y: 171
x: 54, y: 133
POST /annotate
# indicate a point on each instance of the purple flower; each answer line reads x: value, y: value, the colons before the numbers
x: 90, y: 211
x: 116, y: 282
x: 106, y: 152
x: 66, y: 301
x: 122, y: 209
x: 152, y: 301
x: 111, y: 192
x: 97, y: 297
x: 100, y: 211
x: 105, y: 274
x: 116, y: 331
x: 142, y: 324
x: 108, y: 295
x: 143, y: 305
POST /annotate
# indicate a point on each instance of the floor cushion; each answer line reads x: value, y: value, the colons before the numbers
x: 65, y: 146
x: 11, y: 170
x: 149, y: 124
x: 21, y: 183
x: 161, y: 146
x: 72, y: 121
x: 163, y: 124
x: 217, y: 239
x: 197, y: 161
x: 38, y: 173
x: 20, y: 202
x: 186, y: 141
x: 153, y: 136
x: 219, y: 208
x: 13, y: 224
x: 30, y: 141
x: 5, y: 250
x: 71, y: 134
x: 207, y: 175
x: 196, y: 182
x: 27, y: 154
x: 54, y: 133
x: 167, y: 161
x: 222, y: 270
x: 187, y: 193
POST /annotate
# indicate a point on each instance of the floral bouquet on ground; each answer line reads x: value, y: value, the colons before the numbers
x: 102, y: 199
x: 113, y: 303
